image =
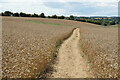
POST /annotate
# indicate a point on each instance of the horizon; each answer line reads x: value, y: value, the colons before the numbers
x: 61, y: 15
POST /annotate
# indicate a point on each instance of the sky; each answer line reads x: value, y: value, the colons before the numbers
x: 62, y: 7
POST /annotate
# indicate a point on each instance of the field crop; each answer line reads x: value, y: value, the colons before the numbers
x: 28, y: 48
x: 100, y: 45
x: 38, y: 22
x: 0, y: 47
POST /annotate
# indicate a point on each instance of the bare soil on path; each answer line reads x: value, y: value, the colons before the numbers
x: 70, y: 63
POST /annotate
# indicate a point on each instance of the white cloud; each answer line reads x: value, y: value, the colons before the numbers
x: 80, y: 0
x: 38, y: 6
x: 16, y: 1
x: 59, y: 1
x: 102, y: 4
x: 112, y: 4
x: 31, y: 7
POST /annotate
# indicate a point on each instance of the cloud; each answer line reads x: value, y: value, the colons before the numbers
x: 62, y: 7
x: 85, y: 8
x: 31, y: 7
x: 16, y: 1
x: 80, y: 1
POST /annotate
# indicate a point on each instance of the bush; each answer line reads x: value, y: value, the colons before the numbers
x: 82, y: 20
x: 112, y: 23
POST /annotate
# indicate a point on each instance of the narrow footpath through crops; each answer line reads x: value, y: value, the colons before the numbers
x: 70, y: 63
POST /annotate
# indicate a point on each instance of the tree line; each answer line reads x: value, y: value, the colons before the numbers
x: 99, y: 22
x: 42, y: 15
x: 102, y: 21
x: 21, y: 14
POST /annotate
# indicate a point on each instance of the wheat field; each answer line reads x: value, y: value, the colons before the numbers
x: 100, y: 45
x: 28, y: 48
x: 30, y: 44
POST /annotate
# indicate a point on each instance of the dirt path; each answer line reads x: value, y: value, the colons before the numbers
x: 70, y: 63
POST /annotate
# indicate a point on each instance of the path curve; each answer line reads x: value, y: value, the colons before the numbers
x: 70, y: 63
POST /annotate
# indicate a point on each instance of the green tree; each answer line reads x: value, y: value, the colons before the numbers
x: 42, y: 15
x: 16, y: 14
x: 2, y: 14
x: 35, y: 15
x: 71, y: 17
x: 49, y: 17
x: 61, y: 17
x: 54, y: 16
x: 22, y: 14
x: 8, y: 13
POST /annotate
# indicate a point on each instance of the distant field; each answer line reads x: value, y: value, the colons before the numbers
x: 111, y: 26
x: 29, y: 45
